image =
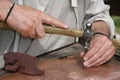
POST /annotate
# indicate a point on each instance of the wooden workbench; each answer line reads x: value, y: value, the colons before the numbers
x: 59, y: 67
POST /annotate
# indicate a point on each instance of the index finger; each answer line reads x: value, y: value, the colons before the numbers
x: 53, y: 21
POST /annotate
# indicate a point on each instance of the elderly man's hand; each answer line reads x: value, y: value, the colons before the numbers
x: 22, y: 63
x: 101, y: 48
x: 29, y: 21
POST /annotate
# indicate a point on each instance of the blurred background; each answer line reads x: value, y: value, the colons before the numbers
x: 115, y: 12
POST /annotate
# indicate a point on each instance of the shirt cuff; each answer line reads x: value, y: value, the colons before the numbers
x: 2, y: 62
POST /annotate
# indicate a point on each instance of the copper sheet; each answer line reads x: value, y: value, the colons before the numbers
x: 70, y: 68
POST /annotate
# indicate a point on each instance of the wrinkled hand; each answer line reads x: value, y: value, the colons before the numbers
x: 29, y: 21
x: 22, y: 63
x: 101, y: 50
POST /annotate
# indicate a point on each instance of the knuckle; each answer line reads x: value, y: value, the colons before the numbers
x: 24, y: 29
x: 40, y: 14
x: 42, y: 34
x: 32, y: 35
x: 89, y: 53
x: 30, y: 23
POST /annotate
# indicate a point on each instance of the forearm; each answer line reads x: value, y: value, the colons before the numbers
x: 101, y: 26
x: 4, y: 9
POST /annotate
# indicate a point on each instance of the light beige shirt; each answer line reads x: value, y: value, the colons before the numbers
x: 74, y: 13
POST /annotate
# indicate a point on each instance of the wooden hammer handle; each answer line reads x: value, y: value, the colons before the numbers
x: 53, y: 30
x: 67, y: 32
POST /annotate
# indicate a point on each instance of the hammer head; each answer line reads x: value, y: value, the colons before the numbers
x: 87, y: 36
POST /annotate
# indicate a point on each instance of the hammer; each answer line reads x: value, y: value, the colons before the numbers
x: 86, y: 34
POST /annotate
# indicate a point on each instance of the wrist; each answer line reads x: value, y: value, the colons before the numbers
x: 4, y: 9
x: 101, y: 28
x: 100, y: 34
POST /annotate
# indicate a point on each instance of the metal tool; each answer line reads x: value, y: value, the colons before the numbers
x: 3, y: 72
x: 87, y: 36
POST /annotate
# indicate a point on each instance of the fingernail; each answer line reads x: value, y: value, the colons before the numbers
x: 85, y: 58
x: 85, y: 64
x: 66, y: 26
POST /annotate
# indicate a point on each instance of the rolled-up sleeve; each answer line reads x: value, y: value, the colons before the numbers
x: 1, y: 62
x: 96, y: 10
